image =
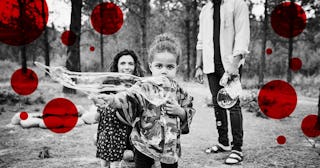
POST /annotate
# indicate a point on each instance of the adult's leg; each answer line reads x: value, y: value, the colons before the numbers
x: 142, y: 161
x: 164, y: 165
x: 236, y: 124
x: 220, y: 113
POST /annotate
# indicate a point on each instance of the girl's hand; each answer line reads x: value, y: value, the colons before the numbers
x: 173, y: 108
x: 101, y: 100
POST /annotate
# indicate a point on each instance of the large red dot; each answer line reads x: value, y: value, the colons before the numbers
x: 277, y: 99
x: 107, y: 18
x: 60, y: 115
x: 295, y: 64
x: 22, y: 23
x: 288, y: 19
x: 24, y: 83
x: 309, y: 126
x: 281, y: 139
x: 23, y: 115
x: 68, y: 38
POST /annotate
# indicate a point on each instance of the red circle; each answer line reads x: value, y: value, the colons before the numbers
x: 92, y: 48
x: 288, y: 17
x: 107, y: 18
x: 277, y: 99
x: 281, y: 139
x: 68, y: 38
x: 268, y: 51
x: 23, y: 115
x: 22, y: 25
x: 309, y: 126
x: 24, y: 83
x: 60, y: 115
x: 295, y: 64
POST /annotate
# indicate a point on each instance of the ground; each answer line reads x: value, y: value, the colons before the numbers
x: 20, y: 147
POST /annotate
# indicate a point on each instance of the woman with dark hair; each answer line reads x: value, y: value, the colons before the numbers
x: 113, y: 135
x: 137, y: 71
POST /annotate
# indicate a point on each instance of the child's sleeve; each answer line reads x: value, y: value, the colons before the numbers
x: 185, y: 102
x: 129, y: 104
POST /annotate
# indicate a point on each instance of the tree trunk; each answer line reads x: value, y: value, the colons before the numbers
x: 291, y: 22
x: 23, y: 54
x: 194, y: 37
x: 101, y: 39
x: 143, y: 25
x: 264, y: 42
x: 23, y: 49
x: 45, y: 39
x: 318, y: 121
x: 73, y: 61
x: 187, y: 36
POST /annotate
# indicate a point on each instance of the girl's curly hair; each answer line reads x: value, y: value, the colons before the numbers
x: 138, y: 69
x: 165, y: 42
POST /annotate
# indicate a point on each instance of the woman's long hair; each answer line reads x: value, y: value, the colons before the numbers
x: 138, y: 69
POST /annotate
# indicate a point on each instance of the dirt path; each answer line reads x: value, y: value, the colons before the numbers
x: 20, y: 147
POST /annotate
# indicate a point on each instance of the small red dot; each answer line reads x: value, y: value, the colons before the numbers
x: 281, y: 140
x: 92, y: 48
x: 268, y: 51
x: 24, y: 83
x: 295, y: 64
x: 23, y: 115
x: 68, y: 38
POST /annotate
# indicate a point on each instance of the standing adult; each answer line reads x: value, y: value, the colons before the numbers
x: 223, y: 42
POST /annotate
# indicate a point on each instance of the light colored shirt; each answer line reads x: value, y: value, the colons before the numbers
x: 234, y: 33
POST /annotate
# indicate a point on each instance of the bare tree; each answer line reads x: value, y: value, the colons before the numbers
x: 73, y: 61
x: 264, y: 41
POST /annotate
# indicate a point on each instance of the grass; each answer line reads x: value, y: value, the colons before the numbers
x: 20, y: 147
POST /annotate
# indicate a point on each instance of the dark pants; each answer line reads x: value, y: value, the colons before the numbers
x: 143, y: 161
x: 221, y: 114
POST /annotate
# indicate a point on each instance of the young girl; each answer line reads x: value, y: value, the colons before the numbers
x: 113, y: 135
x: 156, y: 128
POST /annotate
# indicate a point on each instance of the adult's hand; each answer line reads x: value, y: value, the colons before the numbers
x: 199, y: 75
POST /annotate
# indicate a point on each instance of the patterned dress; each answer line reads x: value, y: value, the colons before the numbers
x: 155, y: 133
x: 112, y: 136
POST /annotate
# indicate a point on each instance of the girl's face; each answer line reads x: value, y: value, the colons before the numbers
x: 163, y: 64
x: 126, y: 64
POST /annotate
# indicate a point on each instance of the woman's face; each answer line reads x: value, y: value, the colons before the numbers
x: 126, y: 64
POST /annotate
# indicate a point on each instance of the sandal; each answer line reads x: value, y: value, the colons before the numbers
x: 217, y: 148
x: 235, y: 157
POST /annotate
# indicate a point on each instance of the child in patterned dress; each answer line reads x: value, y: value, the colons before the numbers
x: 113, y: 135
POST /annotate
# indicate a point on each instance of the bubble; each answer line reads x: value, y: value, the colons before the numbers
x: 24, y: 83
x: 268, y: 51
x: 286, y: 18
x: 68, y: 38
x: 277, y: 99
x: 224, y: 99
x: 92, y: 48
x: 309, y: 126
x: 20, y: 26
x: 295, y: 64
x: 107, y: 18
x: 60, y: 115
x: 23, y: 115
x: 281, y: 139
